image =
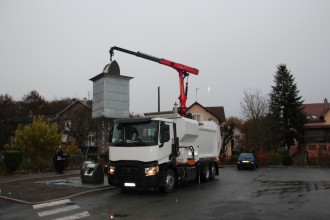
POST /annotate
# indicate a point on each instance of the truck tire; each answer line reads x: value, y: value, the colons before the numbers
x: 169, y: 181
x: 213, y: 171
x: 205, y: 175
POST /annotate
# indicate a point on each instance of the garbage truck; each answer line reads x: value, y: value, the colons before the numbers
x: 162, y: 152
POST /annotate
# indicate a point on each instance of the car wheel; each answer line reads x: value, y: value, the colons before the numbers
x: 213, y: 171
x: 169, y: 181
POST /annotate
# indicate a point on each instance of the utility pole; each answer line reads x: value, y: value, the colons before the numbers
x: 158, y: 99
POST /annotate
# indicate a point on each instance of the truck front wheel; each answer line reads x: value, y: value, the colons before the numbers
x: 206, y: 173
x: 169, y: 181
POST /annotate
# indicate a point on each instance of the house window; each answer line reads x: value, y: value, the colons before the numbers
x: 102, y: 138
x: 196, y: 117
x: 64, y: 138
x: 322, y: 147
x: 67, y: 125
x: 311, y: 147
x: 315, y: 136
x: 91, y: 140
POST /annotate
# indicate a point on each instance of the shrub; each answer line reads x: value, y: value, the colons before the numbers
x: 2, y: 165
x: 75, y: 160
x: 93, y: 157
x: 263, y: 157
x: 99, y: 158
x: 13, y: 159
x: 274, y: 158
x: 300, y: 162
x: 286, y: 158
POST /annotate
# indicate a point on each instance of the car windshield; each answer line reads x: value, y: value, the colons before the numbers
x: 245, y: 156
x: 135, y: 134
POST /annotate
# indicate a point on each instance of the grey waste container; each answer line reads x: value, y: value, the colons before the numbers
x: 92, y: 173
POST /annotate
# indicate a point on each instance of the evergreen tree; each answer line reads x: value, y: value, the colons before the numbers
x: 286, y: 109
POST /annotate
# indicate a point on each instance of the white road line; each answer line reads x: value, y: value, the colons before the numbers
x: 59, y: 210
x: 49, y: 204
x: 76, y: 216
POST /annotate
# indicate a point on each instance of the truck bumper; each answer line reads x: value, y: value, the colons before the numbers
x: 127, y: 175
x: 146, y: 183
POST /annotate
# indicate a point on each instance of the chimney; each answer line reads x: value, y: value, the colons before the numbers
x: 326, y: 104
x: 175, y: 108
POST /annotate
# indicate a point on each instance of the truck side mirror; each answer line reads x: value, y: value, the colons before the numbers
x: 164, y: 133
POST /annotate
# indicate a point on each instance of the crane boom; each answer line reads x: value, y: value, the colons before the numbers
x: 183, y: 71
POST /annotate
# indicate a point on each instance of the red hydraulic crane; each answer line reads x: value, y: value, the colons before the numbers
x: 183, y: 71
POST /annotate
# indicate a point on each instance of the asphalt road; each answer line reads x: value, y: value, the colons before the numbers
x: 266, y: 193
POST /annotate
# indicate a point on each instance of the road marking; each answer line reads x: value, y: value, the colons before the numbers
x: 59, y: 210
x: 50, y: 209
x: 49, y: 204
x: 76, y: 216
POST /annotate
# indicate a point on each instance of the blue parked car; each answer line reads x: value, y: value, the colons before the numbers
x: 247, y: 160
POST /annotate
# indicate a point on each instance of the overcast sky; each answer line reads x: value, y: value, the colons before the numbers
x: 56, y: 46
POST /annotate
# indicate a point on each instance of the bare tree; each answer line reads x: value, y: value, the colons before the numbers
x: 254, y: 104
x: 254, y: 107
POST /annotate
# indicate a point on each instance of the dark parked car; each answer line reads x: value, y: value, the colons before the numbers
x: 247, y: 160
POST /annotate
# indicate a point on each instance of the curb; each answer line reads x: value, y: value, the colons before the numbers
x: 51, y: 200
x: 32, y: 178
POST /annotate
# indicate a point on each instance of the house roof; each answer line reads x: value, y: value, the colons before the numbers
x: 316, y: 111
x: 71, y: 105
x: 217, y: 111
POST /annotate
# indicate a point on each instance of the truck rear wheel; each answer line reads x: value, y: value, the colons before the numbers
x: 213, y: 171
x: 169, y: 181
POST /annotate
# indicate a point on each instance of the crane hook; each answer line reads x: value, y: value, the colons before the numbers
x: 111, y: 54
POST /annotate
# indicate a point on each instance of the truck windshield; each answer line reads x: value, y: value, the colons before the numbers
x: 135, y: 134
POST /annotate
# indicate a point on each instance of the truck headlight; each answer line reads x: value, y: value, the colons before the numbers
x: 151, y: 171
x: 112, y: 170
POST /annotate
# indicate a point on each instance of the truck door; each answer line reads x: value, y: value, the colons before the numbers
x: 165, y: 144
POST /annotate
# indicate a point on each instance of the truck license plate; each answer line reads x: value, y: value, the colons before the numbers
x: 129, y: 184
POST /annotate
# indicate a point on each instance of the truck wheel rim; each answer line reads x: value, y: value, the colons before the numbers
x: 169, y: 181
x: 213, y: 171
x: 207, y: 173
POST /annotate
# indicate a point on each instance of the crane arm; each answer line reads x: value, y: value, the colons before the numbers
x: 183, y: 71
x: 174, y: 65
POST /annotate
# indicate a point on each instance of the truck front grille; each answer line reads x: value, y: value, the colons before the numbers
x: 128, y: 174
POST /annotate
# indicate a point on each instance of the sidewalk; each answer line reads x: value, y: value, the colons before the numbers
x: 46, y: 186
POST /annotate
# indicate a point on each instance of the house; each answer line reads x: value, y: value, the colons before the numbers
x: 317, y: 129
x: 75, y: 122
x: 201, y: 113
x: 238, y: 140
